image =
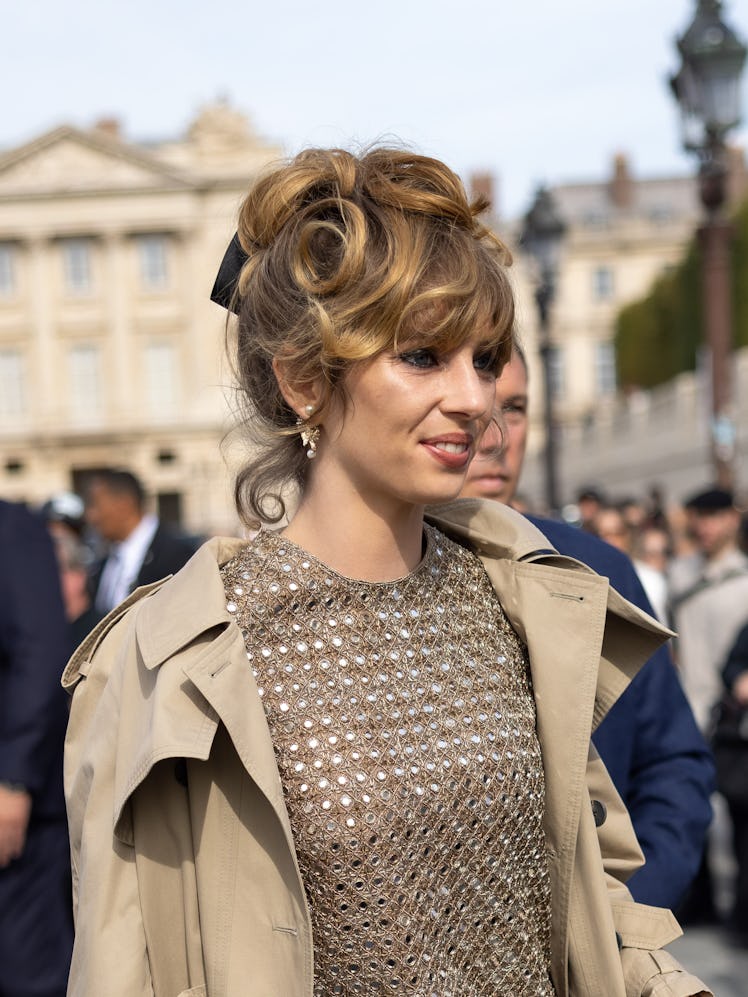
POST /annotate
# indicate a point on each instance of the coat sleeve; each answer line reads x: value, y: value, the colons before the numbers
x: 641, y: 930
x: 658, y: 760
x: 33, y: 648
x: 665, y: 775
x: 110, y: 957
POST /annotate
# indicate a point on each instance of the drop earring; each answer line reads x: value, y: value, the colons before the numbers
x: 309, y: 434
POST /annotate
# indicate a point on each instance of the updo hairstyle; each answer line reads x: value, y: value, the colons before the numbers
x: 349, y: 256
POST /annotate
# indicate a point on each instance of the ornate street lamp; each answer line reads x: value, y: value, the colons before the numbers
x: 707, y: 88
x: 542, y: 233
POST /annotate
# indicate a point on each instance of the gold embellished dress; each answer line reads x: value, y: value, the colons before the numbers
x: 404, y: 729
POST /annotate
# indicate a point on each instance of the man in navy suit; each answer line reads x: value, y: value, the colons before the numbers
x: 36, y: 931
x: 141, y: 549
x: 649, y: 741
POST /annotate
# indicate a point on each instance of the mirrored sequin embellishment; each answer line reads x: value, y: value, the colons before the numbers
x: 404, y: 730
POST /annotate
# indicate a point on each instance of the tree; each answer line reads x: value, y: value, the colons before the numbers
x: 659, y: 336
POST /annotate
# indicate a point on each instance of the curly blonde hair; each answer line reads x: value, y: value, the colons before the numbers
x: 346, y: 256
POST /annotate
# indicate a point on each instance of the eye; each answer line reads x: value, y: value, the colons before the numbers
x: 421, y: 358
x: 485, y: 362
x: 514, y: 409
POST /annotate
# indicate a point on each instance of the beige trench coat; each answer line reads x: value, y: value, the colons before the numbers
x: 196, y: 891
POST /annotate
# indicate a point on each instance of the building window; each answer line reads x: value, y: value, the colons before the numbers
x: 154, y: 259
x: 12, y: 384
x: 162, y: 379
x: 596, y: 219
x: 7, y: 270
x: 661, y: 214
x: 76, y: 259
x: 602, y: 284
x: 605, y: 369
x: 85, y: 384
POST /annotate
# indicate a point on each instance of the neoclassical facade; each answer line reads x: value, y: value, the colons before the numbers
x: 111, y: 352
x: 622, y: 233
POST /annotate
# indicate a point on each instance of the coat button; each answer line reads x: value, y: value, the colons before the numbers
x: 599, y: 812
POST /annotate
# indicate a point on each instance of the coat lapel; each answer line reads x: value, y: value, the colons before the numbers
x: 560, y: 615
x: 214, y: 659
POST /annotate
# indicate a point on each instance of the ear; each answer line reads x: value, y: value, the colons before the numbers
x: 299, y: 397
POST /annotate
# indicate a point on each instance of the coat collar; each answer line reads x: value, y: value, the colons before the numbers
x: 492, y: 530
x: 198, y: 590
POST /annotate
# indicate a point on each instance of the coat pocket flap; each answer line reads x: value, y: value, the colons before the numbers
x: 644, y: 927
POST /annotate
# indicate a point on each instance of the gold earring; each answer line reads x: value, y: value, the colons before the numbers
x: 309, y: 434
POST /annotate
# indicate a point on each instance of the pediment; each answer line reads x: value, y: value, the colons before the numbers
x: 70, y: 161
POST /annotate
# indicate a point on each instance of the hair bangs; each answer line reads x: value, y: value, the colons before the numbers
x: 461, y: 294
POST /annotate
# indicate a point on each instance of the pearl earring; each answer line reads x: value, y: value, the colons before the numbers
x: 309, y: 434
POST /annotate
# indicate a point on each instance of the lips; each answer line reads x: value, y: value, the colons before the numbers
x: 453, y: 450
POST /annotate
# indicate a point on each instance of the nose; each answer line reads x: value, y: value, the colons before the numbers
x: 468, y: 392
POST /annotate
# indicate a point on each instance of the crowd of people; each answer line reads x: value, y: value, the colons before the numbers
x: 692, y: 561
x: 361, y: 750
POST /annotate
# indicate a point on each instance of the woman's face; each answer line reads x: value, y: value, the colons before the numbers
x: 410, y: 424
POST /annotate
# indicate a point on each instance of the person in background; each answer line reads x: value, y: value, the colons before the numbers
x: 708, y: 598
x: 64, y: 515
x: 141, y: 549
x: 634, y: 514
x: 649, y: 742
x: 709, y: 605
x: 589, y: 502
x: 36, y: 932
x: 651, y: 552
x: 612, y: 526
x: 74, y: 559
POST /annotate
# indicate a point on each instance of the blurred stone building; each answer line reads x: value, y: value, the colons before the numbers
x: 622, y: 233
x: 110, y: 349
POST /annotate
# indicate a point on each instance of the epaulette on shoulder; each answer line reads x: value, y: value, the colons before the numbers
x: 77, y: 667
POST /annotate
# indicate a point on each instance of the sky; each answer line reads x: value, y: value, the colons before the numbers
x: 530, y: 91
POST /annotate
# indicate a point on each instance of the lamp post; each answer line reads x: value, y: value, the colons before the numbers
x: 707, y: 88
x: 541, y: 236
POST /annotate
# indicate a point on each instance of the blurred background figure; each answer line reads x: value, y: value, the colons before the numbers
x: 140, y: 549
x: 731, y: 753
x: 74, y: 560
x: 708, y: 597
x: 634, y: 514
x: 611, y: 525
x: 651, y: 552
x: 64, y: 514
x: 35, y: 901
x: 649, y: 741
x: 709, y: 605
x: 590, y: 500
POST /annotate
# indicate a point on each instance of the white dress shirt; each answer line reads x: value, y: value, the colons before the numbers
x: 123, y: 564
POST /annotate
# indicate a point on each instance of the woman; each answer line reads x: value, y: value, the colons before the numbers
x: 351, y: 755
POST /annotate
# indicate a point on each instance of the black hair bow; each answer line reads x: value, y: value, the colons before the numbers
x: 228, y: 276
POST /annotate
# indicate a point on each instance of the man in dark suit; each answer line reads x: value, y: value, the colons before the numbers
x: 141, y: 550
x: 649, y: 741
x: 36, y: 931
